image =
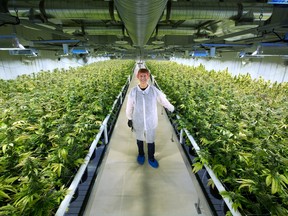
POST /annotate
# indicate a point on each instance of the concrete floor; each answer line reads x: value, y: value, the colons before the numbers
x: 124, y: 188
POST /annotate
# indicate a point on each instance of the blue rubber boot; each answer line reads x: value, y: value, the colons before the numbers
x: 152, y: 161
x: 141, y: 156
x: 141, y: 159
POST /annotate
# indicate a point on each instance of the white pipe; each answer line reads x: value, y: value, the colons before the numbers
x: 181, y: 136
x: 105, y: 129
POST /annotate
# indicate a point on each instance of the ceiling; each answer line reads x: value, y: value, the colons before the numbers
x: 150, y: 28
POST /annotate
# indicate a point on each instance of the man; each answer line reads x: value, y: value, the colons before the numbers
x: 141, y: 112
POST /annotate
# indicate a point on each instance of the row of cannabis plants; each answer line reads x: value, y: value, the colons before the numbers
x: 241, y: 126
x: 47, y: 122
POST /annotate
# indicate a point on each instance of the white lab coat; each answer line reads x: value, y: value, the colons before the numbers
x: 142, y: 110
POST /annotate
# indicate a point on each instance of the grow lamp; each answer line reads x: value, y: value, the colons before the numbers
x: 199, y: 53
x: 277, y: 2
x: 79, y: 50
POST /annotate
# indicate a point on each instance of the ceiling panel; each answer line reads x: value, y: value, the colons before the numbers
x: 147, y: 28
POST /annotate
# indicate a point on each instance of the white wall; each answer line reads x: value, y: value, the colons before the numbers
x: 269, y: 68
x: 272, y: 69
x: 13, y: 66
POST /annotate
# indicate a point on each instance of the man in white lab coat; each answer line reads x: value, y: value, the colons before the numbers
x: 141, y: 112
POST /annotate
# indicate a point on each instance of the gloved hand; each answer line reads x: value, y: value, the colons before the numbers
x: 130, y: 123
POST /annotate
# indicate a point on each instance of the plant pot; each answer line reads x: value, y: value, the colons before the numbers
x: 192, y: 151
x: 93, y: 155
x: 84, y: 176
x: 225, y: 208
x: 215, y: 193
x: 75, y: 196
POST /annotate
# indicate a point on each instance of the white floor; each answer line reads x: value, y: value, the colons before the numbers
x: 124, y: 188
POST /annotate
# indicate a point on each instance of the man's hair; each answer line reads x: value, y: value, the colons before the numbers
x: 143, y: 70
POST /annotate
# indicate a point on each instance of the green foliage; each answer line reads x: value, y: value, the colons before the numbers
x: 47, y: 122
x: 240, y: 125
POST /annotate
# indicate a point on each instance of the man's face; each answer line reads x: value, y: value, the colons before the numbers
x: 143, y: 77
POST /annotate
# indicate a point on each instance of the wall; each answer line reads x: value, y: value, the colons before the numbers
x: 13, y: 66
x: 273, y: 69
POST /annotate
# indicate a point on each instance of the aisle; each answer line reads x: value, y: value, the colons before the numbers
x: 124, y: 188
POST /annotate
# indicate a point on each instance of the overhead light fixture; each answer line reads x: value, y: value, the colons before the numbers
x: 199, y: 53
x: 277, y: 2
x: 79, y: 50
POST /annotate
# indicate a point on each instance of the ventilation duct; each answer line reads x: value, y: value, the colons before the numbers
x: 140, y: 18
x: 70, y: 9
x: 201, y: 10
x: 23, y: 8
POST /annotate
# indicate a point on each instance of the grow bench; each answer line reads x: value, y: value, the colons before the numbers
x: 218, y: 204
x: 79, y: 190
